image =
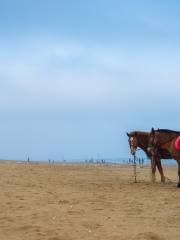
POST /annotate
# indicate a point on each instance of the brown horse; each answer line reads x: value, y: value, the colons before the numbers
x: 141, y: 139
x: 162, y: 145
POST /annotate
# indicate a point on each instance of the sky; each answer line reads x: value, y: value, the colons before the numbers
x: 75, y: 76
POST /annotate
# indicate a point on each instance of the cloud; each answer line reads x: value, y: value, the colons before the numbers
x: 73, y: 74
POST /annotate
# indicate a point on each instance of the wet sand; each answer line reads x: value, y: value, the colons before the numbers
x: 63, y: 202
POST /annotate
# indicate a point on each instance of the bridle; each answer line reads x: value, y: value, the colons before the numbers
x: 136, y: 148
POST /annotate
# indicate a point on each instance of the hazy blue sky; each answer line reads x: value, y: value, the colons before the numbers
x: 76, y: 75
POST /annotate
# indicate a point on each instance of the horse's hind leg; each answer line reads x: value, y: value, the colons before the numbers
x: 158, y: 162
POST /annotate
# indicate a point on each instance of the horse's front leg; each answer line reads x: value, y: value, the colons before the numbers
x: 158, y: 162
x: 153, y: 169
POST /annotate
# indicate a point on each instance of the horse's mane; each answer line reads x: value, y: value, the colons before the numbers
x: 167, y: 131
x: 138, y: 132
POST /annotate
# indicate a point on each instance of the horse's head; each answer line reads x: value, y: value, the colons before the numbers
x: 133, y: 141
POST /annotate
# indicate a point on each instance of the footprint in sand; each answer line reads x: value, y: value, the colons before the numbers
x: 148, y: 236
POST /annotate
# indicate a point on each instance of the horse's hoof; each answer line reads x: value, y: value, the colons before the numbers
x: 178, y: 185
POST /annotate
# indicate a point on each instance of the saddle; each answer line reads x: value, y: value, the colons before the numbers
x: 177, y: 143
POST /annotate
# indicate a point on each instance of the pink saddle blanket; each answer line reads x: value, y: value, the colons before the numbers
x: 177, y: 143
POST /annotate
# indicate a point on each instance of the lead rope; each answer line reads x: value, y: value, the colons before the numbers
x: 135, y: 168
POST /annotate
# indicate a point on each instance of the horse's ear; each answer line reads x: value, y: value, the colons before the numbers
x: 152, y: 129
x: 127, y: 134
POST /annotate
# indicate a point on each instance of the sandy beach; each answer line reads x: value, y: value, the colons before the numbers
x: 63, y: 202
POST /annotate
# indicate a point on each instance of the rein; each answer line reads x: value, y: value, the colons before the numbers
x: 135, y: 172
x: 157, y: 147
x: 161, y: 144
